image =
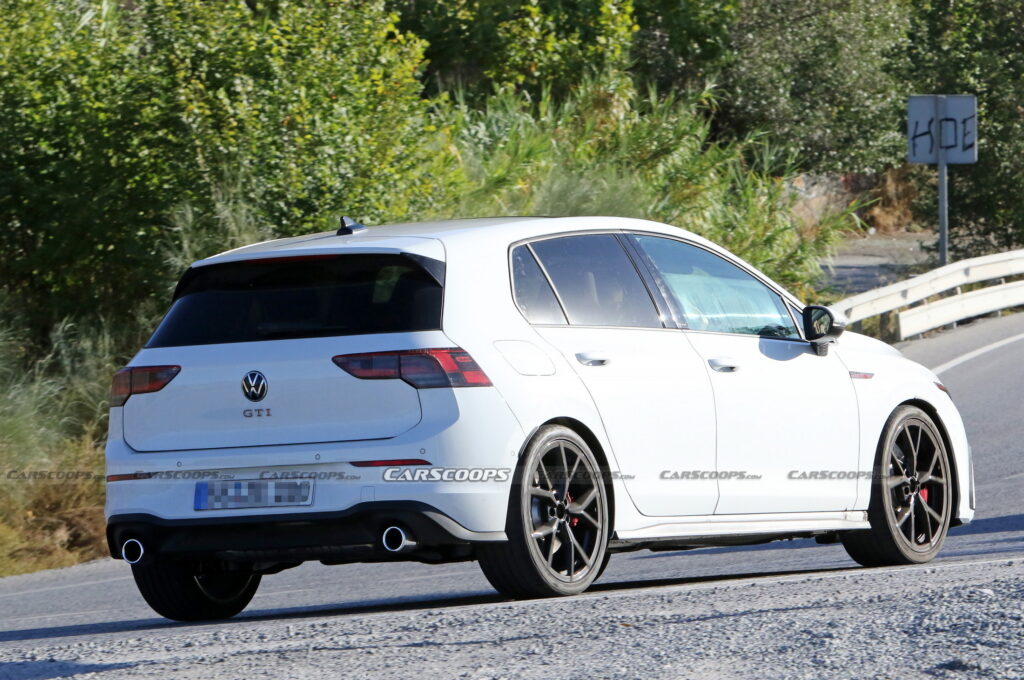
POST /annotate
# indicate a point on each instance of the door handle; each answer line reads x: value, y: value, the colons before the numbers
x: 591, y: 359
x: 723, y: 364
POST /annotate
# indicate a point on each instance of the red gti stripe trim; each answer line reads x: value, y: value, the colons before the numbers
x: 129, y: 477
x: 390, y: 463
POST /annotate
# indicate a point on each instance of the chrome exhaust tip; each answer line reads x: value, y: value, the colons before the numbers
x: 132, y: 551
x: 394, y: 539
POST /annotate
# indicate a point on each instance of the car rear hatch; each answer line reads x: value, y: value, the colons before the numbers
x: 253, y: 343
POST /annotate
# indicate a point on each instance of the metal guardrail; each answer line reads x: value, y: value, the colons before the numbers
x: 923, y: 317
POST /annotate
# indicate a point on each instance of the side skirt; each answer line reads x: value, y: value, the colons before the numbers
x: 724, y: 530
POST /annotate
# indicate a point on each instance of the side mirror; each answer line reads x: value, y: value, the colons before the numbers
x: 822, y: 326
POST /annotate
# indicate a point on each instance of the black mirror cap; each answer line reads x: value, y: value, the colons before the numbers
x: 822, y: 324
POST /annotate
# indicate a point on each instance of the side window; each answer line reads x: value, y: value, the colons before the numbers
x: 716, y: 295
x: 597, y: 281
x: 532, y: 291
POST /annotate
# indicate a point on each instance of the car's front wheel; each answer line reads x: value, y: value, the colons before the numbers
x: 911, y: 495
x: 177, y: 591
x: 557, y: 523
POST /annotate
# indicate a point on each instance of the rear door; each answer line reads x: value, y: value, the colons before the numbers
x: 650, y: 387
x: 255, y: 339
x: 787, y: 419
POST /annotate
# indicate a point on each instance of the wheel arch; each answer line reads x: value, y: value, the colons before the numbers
x: 933, y: 413
x: 594, y: 443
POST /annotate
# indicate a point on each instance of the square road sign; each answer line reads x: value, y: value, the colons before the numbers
x: 942, y: 128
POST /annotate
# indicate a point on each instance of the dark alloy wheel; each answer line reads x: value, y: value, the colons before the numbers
x: 911, y: 499
x: 176, y: 591
x: 557, y: 523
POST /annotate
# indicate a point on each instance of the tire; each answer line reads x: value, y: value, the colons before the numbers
x: 604, y: 565
x: 911, y: 494
x: 176, y: 592
x: 557, y: 522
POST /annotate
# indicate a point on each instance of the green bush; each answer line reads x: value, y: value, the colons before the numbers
x: 604, y: 149
x: 114, y: 115
x: 483, y: 45
x: 681, y: 43
x: 822, y: 78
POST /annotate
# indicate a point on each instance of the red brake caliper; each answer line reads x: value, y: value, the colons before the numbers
x: 568, y: 500
x: 924, y: 495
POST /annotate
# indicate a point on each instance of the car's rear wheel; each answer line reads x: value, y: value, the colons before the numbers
x: 557, y: 523
x: 911, y: 496
x: 176, y: 591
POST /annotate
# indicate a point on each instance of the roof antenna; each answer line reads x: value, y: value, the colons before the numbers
x: 349, y: 226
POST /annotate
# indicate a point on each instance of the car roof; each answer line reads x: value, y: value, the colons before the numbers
x: 433, y: 239
x: 430, y: 239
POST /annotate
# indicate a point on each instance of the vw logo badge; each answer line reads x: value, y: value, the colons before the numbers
x: 254, y: 386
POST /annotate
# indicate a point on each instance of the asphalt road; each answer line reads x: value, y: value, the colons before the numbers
x: 404, y: 619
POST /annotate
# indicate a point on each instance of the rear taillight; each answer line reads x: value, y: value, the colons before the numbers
x: 421, y: 368
x: 121, y: 387
x: 140, y: 380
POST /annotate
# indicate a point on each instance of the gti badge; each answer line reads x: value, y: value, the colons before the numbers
x: 254, y: 386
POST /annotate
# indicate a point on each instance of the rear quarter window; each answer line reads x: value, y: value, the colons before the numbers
x: 303, y: 297
x: 532, y: 292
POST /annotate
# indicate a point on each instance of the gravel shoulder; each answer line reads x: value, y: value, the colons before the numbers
x: 963, y: 620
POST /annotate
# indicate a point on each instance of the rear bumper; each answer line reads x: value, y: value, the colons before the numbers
x: 351, y: 535
x: 480, y: 434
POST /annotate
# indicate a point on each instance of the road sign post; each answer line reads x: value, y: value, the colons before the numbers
x: 942, y: 129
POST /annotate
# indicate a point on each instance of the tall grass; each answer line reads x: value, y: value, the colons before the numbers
x: 52, y: 424
x: 54, y: 400
x: 610, y: 150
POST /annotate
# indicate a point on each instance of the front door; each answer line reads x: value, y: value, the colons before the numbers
x: 787, y: 423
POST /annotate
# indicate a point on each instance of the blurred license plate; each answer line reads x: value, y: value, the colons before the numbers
x: 253, y: 493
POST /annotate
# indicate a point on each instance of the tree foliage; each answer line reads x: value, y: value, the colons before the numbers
x: 977, y: 47
x: 646, y: 156
x: 483, y: 45
x: 682, y: 43
x: 112, y: 116
x: 822, y: 77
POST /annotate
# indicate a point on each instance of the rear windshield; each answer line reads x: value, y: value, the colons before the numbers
x: 302, y: 297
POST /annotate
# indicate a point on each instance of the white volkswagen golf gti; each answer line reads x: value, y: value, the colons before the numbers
x: 530, y: 393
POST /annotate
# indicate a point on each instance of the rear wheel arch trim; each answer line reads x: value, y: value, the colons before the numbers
x: 591, y: 440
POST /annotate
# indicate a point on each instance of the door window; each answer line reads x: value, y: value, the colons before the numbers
x: 716, y: 295
x: 597, y: 282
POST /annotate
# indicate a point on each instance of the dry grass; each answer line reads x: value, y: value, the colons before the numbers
x: 47, y: 523
x: 892, y: 201
x: 52, y: 422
